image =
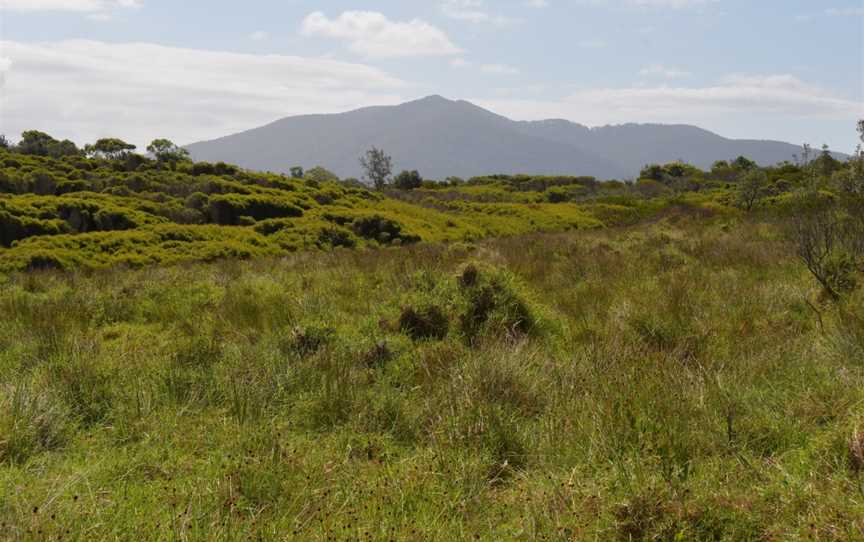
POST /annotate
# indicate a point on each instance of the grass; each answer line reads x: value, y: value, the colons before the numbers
x: 666, y: 381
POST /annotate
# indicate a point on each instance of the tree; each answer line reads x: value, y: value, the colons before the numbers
x: 166, y: 151
x: 58, y: 149
x: 296, y: 172
x: 742, y: 163
x: 35, y: 142
x: 655, y: 172
x: 320, y: 175
x: 110, y: 148
x: 824, y: 245
x: 677, y: 169
x: 752, y: 189
x: 855, y: 176
x: 826, y: 164
x: 408, y: 180
x: 722, y: 170
x: 377, y: 167
x: 4, y: 143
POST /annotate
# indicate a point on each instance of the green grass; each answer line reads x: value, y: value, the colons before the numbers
x: 664, y: 381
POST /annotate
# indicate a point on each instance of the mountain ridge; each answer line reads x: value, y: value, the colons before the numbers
x: 442, y: 137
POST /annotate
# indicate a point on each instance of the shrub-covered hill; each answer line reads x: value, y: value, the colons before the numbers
x: 94, y: 212
x: 65, y: 208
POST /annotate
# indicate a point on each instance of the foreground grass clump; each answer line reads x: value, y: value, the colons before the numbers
x: 683, y: 380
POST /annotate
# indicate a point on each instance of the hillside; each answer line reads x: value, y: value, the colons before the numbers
x: 445, y: 138
x: 74, y: 211
x: 93, y: 212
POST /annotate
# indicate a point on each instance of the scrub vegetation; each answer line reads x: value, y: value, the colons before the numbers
x: 195, y: 352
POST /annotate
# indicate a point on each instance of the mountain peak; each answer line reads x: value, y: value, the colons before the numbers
x: 441, y: 137
x: 431, y: 99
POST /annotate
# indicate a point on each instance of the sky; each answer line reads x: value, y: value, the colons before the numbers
x: 190, y: 70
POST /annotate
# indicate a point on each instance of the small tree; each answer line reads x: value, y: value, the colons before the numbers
x: 110, y: 148
x: 166, y: 151
x: 752, y: 189
x: 320, y: 175
x: 851, y: 181
x: 377, y: 167
x: 742, y: 163
x: 296, y: 172
x: 59, y: 149
x: 655, y: 172
x: 408, y: 180
x: 35, y: 142
x: 821, y: 244
x: 4, y: 143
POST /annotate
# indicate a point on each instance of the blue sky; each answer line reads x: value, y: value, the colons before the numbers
x: 775, y: 69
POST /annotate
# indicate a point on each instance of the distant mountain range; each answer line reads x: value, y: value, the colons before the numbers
x: 441, y: 138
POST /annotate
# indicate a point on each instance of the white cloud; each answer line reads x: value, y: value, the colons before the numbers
x: 86, y: 6
x: 373, y: 35
x: 84, y: 90
x: 259, y: 35
x: 781, y: 97
x: 474, y: 11
x: 845, y: 12
x: 661, y: 71
x: 499, y: 69
x: 460, y: 63
x: 536, y: 3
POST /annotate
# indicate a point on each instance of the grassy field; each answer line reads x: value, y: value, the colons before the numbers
x: 682, y: 379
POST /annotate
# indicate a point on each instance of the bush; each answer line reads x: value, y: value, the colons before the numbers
x: 335, y: 236
x: 428, y: 322
x: 493, y: 304
x: 14, y: 228
x: 408, y: 180
x: 376, y: 356
x: 381, y: 229
x: 824, y: 243
x: 307, y: 340
x: 228, y: 209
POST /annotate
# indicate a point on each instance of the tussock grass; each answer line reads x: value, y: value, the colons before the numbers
x: 679, y: 380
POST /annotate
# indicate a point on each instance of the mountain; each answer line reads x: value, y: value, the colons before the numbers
x: 441, y: 137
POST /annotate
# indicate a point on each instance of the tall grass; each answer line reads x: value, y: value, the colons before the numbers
x: 674, y: 381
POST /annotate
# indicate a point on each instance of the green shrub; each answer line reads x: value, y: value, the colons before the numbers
x: 493, y: 304
x: 229, y: 208
x: 427, y: 322
x: 307, y: 340
x: 14, y: 228
x: 335, y: 236
x: 377, y: 355
x: 381, y: 229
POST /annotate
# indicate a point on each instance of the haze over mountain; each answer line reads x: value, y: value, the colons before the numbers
x: 441, y: 138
